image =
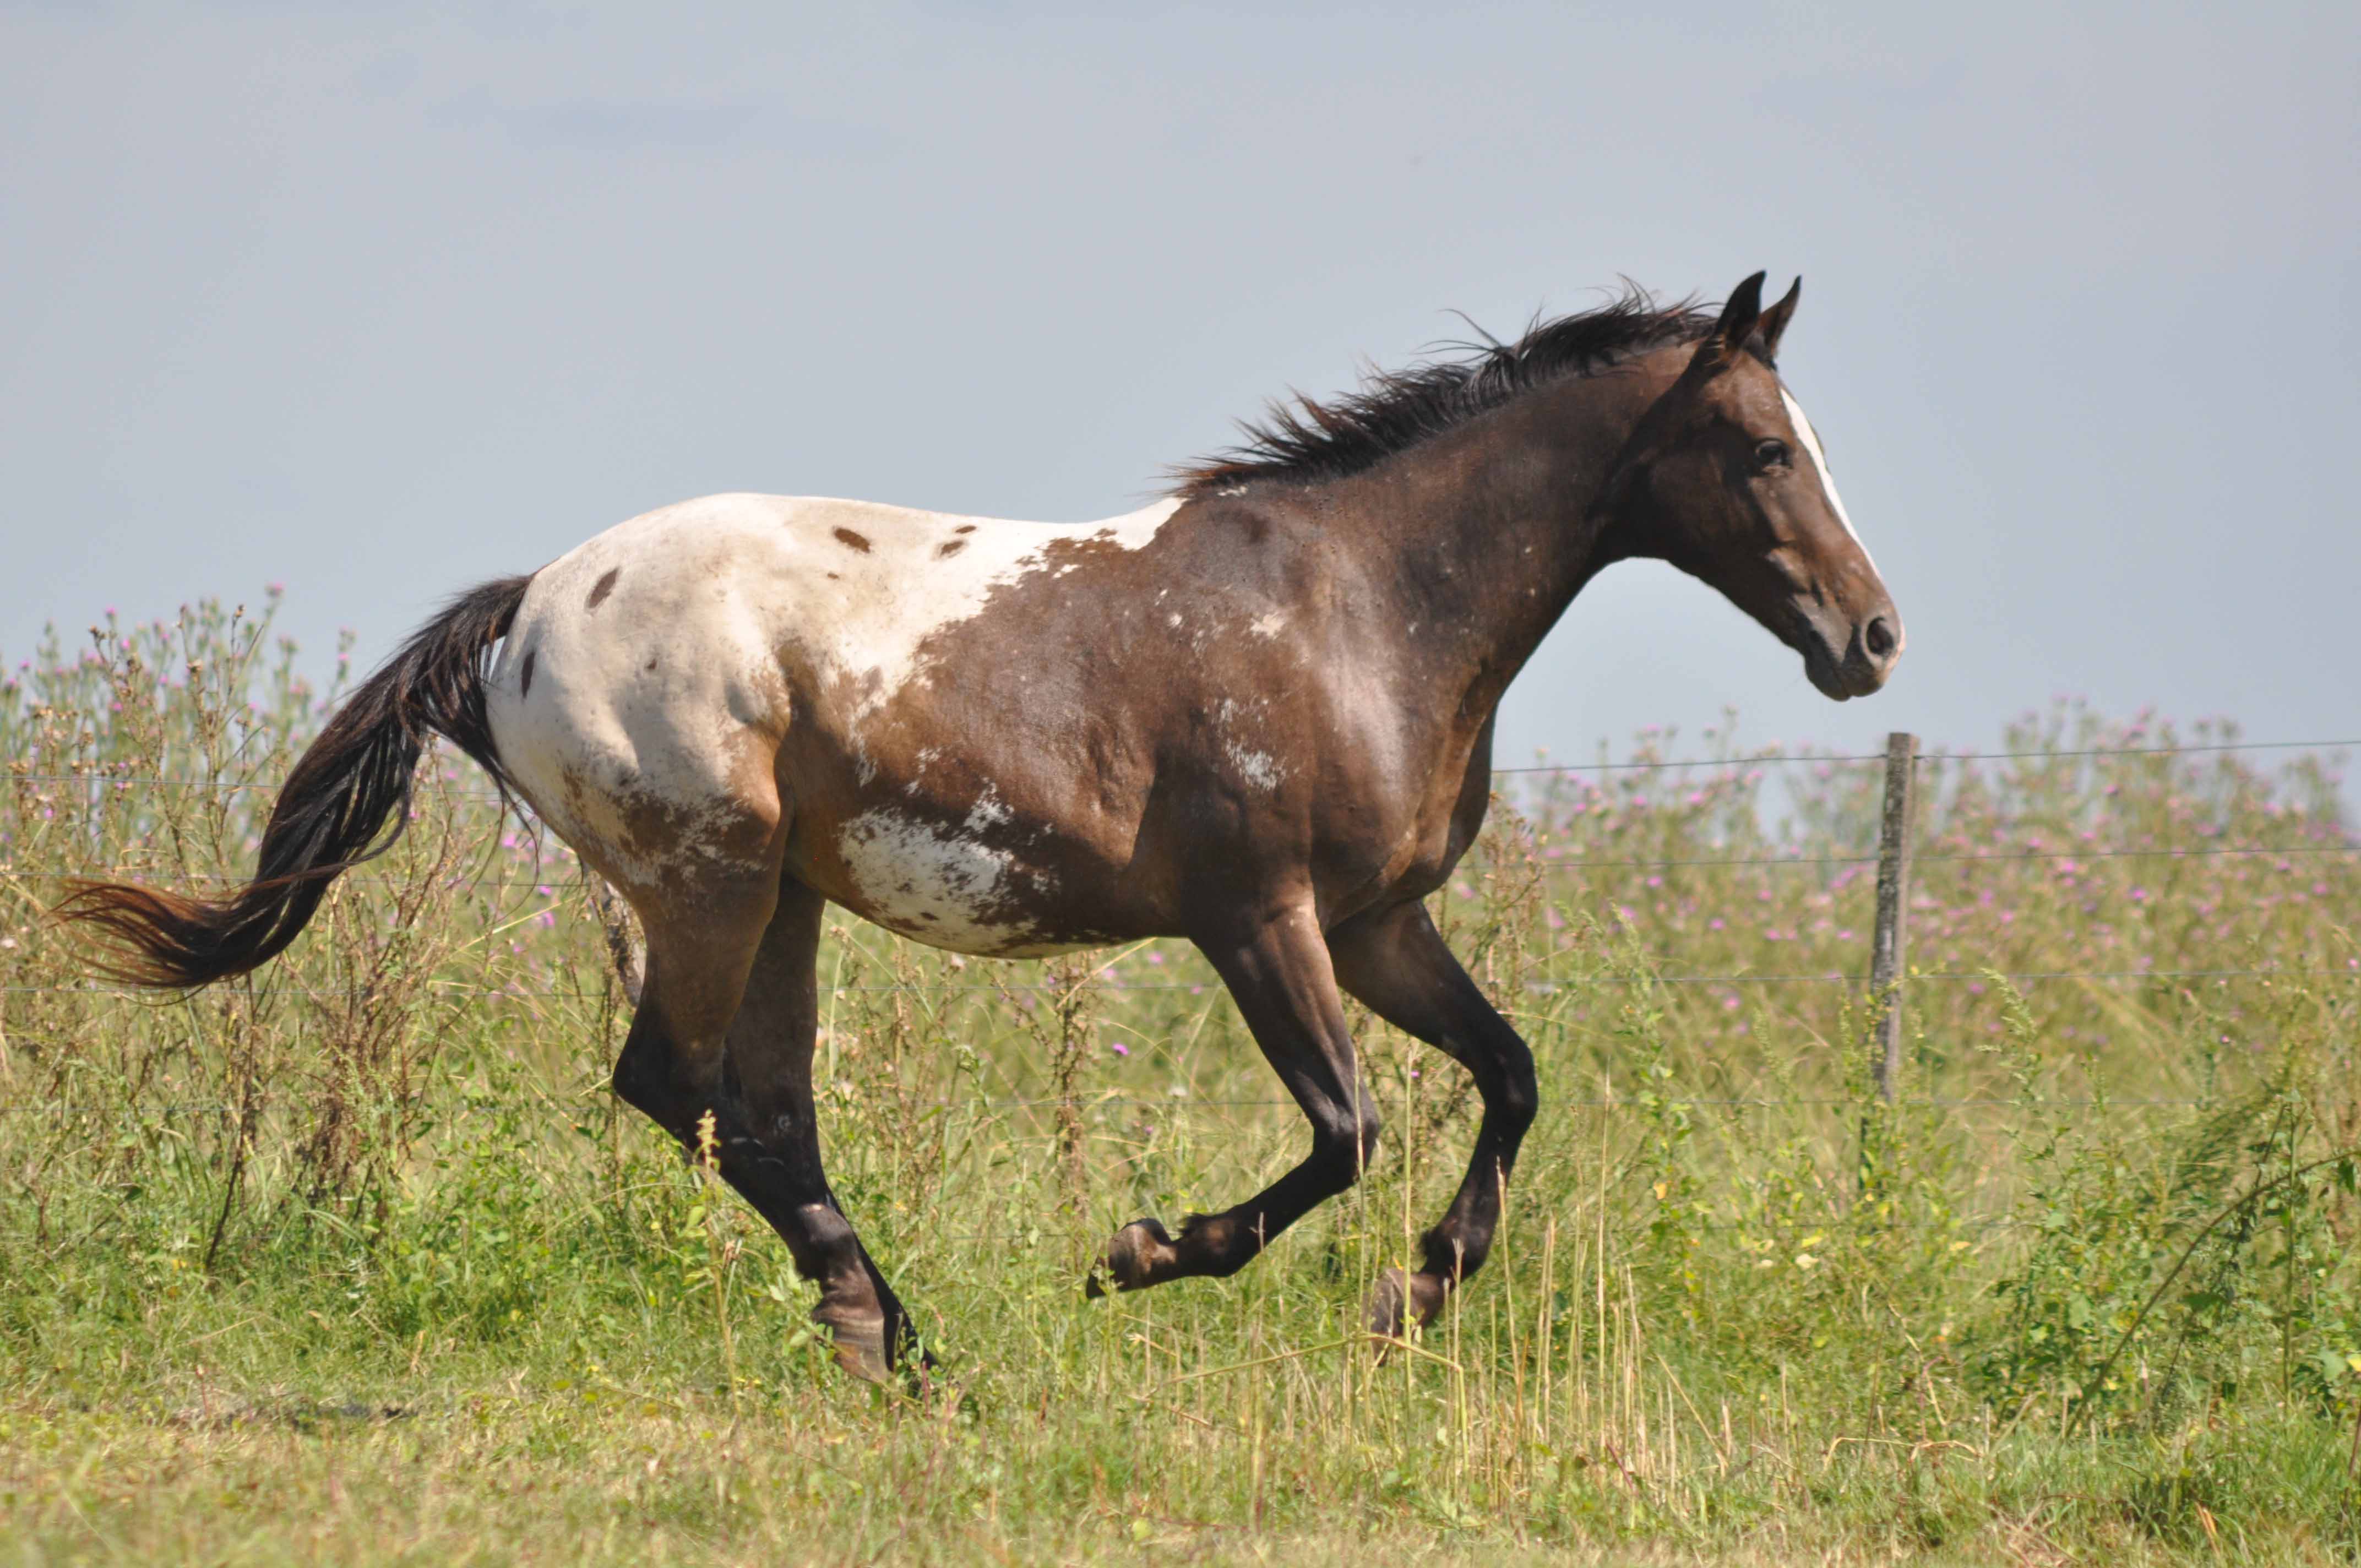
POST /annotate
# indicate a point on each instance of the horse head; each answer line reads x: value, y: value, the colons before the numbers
x: 1725, y: 478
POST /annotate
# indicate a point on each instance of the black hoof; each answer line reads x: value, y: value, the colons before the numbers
x: 858, y: 1335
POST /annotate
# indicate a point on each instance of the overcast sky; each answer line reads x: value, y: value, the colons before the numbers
x: 377, y: 302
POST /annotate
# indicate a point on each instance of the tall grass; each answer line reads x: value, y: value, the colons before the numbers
x: 359, y: 1250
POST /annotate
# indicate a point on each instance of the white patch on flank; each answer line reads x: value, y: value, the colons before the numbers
x: 1819, y: 460
x: 940, y: 883
x: 989, y: 811
x: 673, y: 691
x: 931, y: 882
x: 1269, y: 625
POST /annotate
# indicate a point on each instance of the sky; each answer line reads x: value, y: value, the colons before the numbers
x: 377, y: 302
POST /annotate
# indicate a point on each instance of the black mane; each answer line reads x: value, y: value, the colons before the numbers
x: 1308, y: 442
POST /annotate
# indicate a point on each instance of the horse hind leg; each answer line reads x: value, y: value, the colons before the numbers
x: 767, y: 1078
x: 1398, y: 964
x: 724, y: 1030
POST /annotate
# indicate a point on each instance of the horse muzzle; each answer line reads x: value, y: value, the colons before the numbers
x: 1847, y: 660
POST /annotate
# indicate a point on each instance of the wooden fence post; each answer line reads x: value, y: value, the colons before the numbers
x: 1885, y: 957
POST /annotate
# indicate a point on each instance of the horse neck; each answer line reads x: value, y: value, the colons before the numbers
x: 1487, y: 532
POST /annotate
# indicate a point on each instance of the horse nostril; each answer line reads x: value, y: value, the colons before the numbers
x: 1879, y: 639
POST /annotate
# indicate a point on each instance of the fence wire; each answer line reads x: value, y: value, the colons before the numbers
x: 1796, y: 760
x: 566, y: 879
x: 566, y: 883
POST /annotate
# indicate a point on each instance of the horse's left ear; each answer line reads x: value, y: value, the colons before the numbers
x: 1739, y: 316
x: 1774, y: 321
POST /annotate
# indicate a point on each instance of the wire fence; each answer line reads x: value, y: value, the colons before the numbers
x: 553, y: 885
x: 560, y: 884
x: 1541, y: 985
x: 1779, y: 862
x: 1782, y: 759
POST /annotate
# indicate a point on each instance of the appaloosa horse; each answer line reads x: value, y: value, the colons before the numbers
x: 1257, y: 713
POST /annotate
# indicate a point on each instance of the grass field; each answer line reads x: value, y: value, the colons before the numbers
x: 357, y: 1261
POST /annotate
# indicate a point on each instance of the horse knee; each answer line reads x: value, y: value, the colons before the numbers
x: 1520, y: 1099
x: 1512, y: 1095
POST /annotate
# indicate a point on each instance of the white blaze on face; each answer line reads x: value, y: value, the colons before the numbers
x: 1811, y: 441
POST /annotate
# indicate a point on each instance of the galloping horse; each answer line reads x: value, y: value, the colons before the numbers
x: 1257, y: 715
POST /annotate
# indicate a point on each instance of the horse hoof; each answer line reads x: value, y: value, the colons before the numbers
x: 1132, y: 1259
x: 858, y: 1336
x: 1399, y: 1301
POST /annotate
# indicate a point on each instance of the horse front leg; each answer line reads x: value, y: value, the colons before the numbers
x: 1278, y: 970
x: 1396, y: 962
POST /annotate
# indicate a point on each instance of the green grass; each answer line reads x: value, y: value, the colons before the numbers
x: 357, y: 1261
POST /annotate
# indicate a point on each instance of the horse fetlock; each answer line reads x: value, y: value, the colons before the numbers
x: 1140, y: 1254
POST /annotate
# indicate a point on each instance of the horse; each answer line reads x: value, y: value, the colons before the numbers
x: 1257, y: 715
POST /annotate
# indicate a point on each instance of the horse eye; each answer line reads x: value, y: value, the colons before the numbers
x: 1771, y: 454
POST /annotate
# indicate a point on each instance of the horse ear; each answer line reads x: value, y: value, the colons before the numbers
x: 1739, y: 316
x: 1775, y: 320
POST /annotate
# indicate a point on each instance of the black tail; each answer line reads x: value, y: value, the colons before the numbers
x: 329, y: 813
